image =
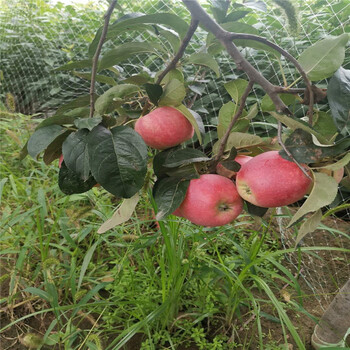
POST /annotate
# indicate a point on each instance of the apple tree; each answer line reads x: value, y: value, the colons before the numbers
x: 100, y: 144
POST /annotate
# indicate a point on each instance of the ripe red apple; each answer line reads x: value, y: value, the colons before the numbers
x: 270, y: 181
x: 164, y: 127
x: 337, y: 174
x: 241, y: 159
x: 212, y: 200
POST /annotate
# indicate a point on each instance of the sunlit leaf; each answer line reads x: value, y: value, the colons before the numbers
x: 324, y: 191
x: 122, y: 214
x: 173, y: 93
x: 204, y: 59
x: 322, y: 59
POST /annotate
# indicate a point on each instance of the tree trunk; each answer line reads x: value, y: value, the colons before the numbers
x: 334, y: 325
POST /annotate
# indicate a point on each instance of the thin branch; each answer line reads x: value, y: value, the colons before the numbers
x: 287, y: 55
x: 254, y: 75
x: 279, y: 135
x: 107, y: 17
x: 192, y: 28
x: 223, y: 141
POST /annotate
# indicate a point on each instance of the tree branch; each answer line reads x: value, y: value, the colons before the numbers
x: 192, y: 28
x: 223, y: 142
x: 198, y: 13
x: 107, y: 17
x: 287, y: 55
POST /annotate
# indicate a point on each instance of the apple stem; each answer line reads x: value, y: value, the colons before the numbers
x: 107, y: 18
x: 223, y: 141
x: 191, y: 30
x: 279, y: 135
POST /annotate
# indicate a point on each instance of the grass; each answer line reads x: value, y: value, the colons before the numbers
x: 66, y: 287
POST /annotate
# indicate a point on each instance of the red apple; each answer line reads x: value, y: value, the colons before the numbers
x: 337, y: 174
x: 164, y: 127
x: 212, y: 200
x: 270, y: 181
x: 241, y: 159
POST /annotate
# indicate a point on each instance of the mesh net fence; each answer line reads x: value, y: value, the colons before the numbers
x: 39, y: 36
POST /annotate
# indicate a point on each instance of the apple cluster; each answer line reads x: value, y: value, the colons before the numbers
x: 266, y: 180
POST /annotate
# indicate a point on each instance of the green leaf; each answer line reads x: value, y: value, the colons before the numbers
x: 214, y: 46
x: 137, y: 79
x: 324, y: 124
x: 253, y: 111
x: 171, y: 20
x: 75, y: 153
x: 117, y: 28
x: 172, y: 74
x: 323, y: 193
x: 69, y: 182
x: 87, y: 123
x: 303, y: 149
x: 122, y: 214
x: 235, y: 15
x: 80, y: 101
x: 168, y: 194
x: 99, y: 78
x: 171, y: 37
x: 338, y: 94
x: 114, y: 97
x: 239, y: 140
x: 54, y: 150
x: 173, y: 93
x: 159, y: 160
x: 87, y: 258
x: 226, y: 113
x: 42, y: 138
x: 309, y: 225
x: 267, y: 105
x: 322, y: 59
x: 294, y: 123
x: 76, y: 65
x: 236, y: 88
x: 339, y: 164
x: 255, y: 5
x: 204, y: 59
x: 194, y: 119
x: 184, y: 156
x: 127, y: 50
x: 118, y: 159
x: 219, y: 9
x: 154, y: 91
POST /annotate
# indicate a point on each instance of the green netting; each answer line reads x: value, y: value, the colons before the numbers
x: 36, y: 37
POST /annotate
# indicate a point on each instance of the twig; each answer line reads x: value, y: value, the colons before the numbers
x: 192, y: 28
x: 254, y: 75
x: 223, y: 142
x: 226, y: 39
x: 279, y: 135
x: 107, y: 17
x: 287, y: 55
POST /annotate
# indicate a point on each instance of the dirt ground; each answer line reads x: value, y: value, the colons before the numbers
x: 319, y: 280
